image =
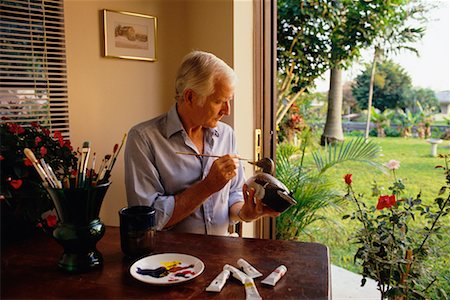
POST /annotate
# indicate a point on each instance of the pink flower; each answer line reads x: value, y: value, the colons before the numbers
x: 393, y: 164
x: 348, y: 179
x: 386, y: 201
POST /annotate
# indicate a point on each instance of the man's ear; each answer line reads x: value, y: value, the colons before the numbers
x: 188, y: 96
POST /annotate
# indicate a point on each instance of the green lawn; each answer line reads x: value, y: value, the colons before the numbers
x: 417, y: 169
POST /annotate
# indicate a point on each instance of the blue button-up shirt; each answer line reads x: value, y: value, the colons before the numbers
x: 154, y: 173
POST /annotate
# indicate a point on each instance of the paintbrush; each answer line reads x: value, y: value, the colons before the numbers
x: 116, y: 152
x: 103, y: 170
x: 113, y: 156
x: 45, y: 180
x: 50, y: 174
x: 92, y: 170
x: 209, y: 155
x: 83, y: 164
x: 113, y: 161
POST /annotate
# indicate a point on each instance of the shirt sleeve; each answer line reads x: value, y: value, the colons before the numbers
x: 236, y: 194
x: 142, y: 183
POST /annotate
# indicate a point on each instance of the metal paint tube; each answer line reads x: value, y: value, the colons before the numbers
x: 276, y: 275
x: 217, y: 284
x: 239, y: 275
x: 248, y: 269
x: 251, y: 293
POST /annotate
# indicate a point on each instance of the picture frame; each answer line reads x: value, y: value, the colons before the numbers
x: 129, y: 35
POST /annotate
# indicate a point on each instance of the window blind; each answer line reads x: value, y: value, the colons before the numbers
x: 33, y: 73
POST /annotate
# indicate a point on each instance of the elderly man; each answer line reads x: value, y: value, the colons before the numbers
x: 192, y: 193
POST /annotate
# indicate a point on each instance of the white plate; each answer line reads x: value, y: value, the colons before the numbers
x: 185, y: 267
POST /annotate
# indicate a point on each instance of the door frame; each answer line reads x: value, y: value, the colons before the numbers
x: 265, y: 92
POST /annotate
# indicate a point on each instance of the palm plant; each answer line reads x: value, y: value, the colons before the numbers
x: 426, y: 118
x: 407, y: 121
x: 309, y: 186
x: 381, y: 120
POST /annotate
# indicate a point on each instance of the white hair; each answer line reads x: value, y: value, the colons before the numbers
x: 199, y: 72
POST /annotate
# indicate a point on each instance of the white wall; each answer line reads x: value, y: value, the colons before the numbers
x: 107, y: 96
x: 243, y: 103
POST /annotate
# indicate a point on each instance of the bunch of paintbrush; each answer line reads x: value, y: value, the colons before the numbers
x: 84, y: 176
x: 44, y: 170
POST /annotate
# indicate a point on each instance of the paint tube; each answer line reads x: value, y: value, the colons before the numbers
x: 248, y: 269
x: 239, y: 275
x: 217, y: 284
x: 273, y: 278
x: 251, y: 293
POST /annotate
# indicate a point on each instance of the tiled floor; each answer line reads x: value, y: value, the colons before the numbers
x: 347, y: 285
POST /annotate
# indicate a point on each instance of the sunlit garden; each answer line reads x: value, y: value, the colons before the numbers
x: 323, y: 220
x: 368, y: 160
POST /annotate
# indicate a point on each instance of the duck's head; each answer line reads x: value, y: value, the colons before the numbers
x: 266, y: 164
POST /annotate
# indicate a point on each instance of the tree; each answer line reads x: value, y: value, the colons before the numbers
x: 318, y: 35
x: 426, y: 97
x: 396, y: 35
x: 303, y: 47
x: 360, y: 22
x: 390, y: 86
x: 349, y: 103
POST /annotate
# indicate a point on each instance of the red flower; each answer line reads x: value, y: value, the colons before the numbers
x: 386, y: 201
x: 37, y: 140
x: 35, y: 124
x: 46, y: 131
x: 16, y: 129
x: 58, y: 135
x: 16, y: 183
x: 51, y: 220
x: 43, y: 151
x: 27, y: 162
x: 2, y: 157
x: 348, y: 179
x: 68, y: 145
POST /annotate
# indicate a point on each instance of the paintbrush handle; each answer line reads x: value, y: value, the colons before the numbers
x: 207, y: 155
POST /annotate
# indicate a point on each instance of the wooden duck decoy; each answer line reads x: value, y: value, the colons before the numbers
x: 272, y: 191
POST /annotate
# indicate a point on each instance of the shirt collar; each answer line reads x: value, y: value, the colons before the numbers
x: 174, y: 124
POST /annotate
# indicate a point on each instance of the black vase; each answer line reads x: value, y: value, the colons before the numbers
x: 79, y: 228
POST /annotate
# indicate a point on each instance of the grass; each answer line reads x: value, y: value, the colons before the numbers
x: 418, y: 171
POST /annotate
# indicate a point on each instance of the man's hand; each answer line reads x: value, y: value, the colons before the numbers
x: 253, y: 207
x: 222, y: 170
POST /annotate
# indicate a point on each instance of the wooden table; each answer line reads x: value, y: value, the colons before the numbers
x: 29, y: 269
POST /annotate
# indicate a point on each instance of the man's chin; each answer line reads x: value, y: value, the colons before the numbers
x: 213, y: 123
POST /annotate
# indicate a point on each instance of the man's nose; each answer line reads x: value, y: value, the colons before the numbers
x: 226, y: 108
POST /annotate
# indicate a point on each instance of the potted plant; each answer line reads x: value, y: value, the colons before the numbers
x: 25, y: 203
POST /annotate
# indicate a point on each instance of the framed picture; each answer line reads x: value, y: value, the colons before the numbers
x: 129, y: 35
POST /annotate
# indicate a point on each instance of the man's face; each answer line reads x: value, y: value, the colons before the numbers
x: 216, y: 105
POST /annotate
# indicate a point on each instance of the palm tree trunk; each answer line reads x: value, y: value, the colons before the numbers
x: 369, y: 102
x: 333, y: 126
